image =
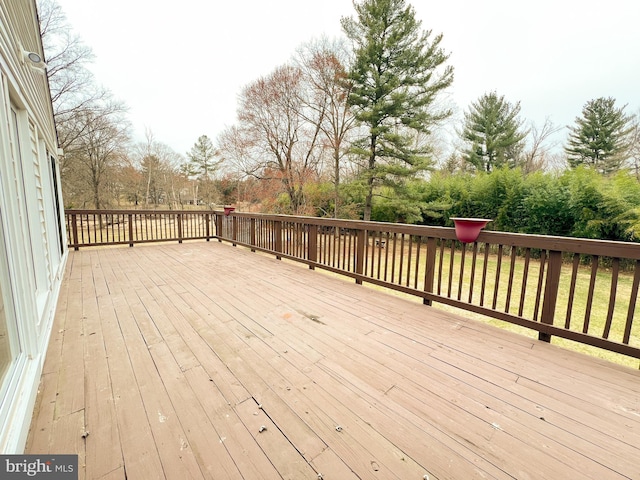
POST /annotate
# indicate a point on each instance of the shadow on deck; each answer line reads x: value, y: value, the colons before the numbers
x: 202, y: 360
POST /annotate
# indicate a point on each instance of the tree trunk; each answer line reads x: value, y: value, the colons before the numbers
x: 336, y: 176
x: 372, y: 163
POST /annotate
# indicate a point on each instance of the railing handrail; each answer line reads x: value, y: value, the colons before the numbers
x: 586, y: 246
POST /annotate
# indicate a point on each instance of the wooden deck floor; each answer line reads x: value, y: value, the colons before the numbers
x: 202, y: 360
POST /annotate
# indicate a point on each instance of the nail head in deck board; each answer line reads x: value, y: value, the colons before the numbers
x: 284, y: 457
x: 103, y: 449
x: 251, y: 461
x: 176, y: 456
x: 201, y: 435
x: 137, y: 442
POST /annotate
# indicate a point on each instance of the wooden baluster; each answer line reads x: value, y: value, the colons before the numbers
x: 360, y: 239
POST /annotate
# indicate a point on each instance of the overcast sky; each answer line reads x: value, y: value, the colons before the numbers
x: 180, y: 65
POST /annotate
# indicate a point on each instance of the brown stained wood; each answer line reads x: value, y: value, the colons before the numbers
x: 452, y: 256
x: 416, y: 269
x: 386, y: 255
x: 170, y: 439
x: 409, y: 258
x: 592, y: 286
x: 572, y: 290
x: 71, y: 394
x: 429, y: 270
x: 39, y: 440
x: 472, y: 279
x: 138, y: 449
x: 330, y: 465
x: 632, y: 304
x: 66, y: 435
x: 512, y: 267
x: 612, y: 296
x: 551, y: 291
x: 496, y: 289
x: 232, y: 433
x: 440, y: 265
x: 543, y: 264
x: 202, y: 437
x: 287, y: 461
x: 393, y: 249
x: 402, y: 255
x: 484, y: 273
x: 414, y: 389
x: 461, y: 276
x: 103, y: 449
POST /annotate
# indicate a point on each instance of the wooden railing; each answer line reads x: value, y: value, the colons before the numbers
x: 581, y: 290
x: 113, y: 227
x: 549, y: 284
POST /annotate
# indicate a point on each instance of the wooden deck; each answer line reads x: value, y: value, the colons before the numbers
x: 202, y: 360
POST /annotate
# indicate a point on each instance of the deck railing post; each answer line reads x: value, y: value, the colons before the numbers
x: 360, y: 240
x: 130, y: 218
x: 550, y: 292
x: 312, y: 245
x: 430, y: 271
x: 277, y: 230
x: 207, y: 221
x: 74, y: 228
x: 179, y: 219
x: 252, y: 233
x: 219, y: 219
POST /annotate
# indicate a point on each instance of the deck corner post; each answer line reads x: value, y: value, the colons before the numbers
x: 550, y: 292
x: 361, y: 236
x: 130, y: 218
x: 312, y: 246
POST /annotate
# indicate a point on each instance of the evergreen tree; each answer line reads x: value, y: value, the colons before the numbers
x: 493, y: 132
x: 396, y: 77
x: 600, y: 137
x: 202, y: 158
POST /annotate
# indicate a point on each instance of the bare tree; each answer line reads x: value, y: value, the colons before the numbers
x: 282, y: 141
x: 323, y: 64
x: 634, y: 148
x: 73, y: 87
x: 538, y: 156
x: 98, y: 151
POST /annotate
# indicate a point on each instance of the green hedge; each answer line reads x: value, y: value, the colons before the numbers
x: 578, y: 202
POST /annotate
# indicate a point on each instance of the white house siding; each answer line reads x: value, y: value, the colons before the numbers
x: 32, y: 247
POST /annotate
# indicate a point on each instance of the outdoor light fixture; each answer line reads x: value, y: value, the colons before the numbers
x: 35, y: 60
x: 34, y: 57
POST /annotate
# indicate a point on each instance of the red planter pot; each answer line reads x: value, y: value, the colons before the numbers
x: 468, y: 229
x: 228, y: 210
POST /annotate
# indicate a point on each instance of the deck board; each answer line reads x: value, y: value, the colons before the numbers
x: 172, y: 358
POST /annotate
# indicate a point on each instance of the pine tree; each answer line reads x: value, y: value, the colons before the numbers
x: 493, y: 133
x: 202, y: 158
x: 396, y: 73
x: 600, y: 137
